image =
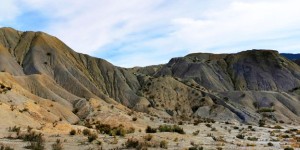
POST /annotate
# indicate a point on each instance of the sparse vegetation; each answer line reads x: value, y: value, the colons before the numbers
x: 265, y: 109
x: 252, y: 138
x: 113, y: 131
x: 132, y: 143
x: 163, y: 144
x: 151, y: 130
x: 196, y: 133
x: 240, y: 136
x: 36, y: 141
x: 170, y: 128
x: 3, y: 147
x: 57, y: 145
x: 92, y: 137
x: 148, y: 137
x: 73, y: 132
x: 86, y: 132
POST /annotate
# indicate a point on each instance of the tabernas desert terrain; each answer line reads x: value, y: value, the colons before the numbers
x: 54, y: 98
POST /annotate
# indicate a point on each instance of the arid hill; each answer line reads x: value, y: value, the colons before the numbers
x: 246, y: 87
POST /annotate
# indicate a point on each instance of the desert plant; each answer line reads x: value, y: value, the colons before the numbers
x: 151, y: 130
x: 240, y: 136
x: 57, y: 145
x: 36, y: 141
x: 3, y: 147
x: 288, y: 148
x: 277, y: 127
x: 92, y: 137
x: 261, y: 123
x: 169, y: 128
x: 252, y: 138
x: 270, y: 144
x: 14, y: 129
x: 86, y: 132
x: 208, y: 125
x: 148, y: 137
x: 265, y: 109
x: 163, y: 144
x: 132, y: 143
x: 134, y: 119
x: 195, y: 148
x: 72, y: 132
x: 196, y: 133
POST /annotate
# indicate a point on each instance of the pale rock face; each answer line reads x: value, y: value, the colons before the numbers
x: 41, y: 69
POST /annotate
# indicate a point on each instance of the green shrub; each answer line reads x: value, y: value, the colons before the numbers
x: 170, y: 128
x: 288, y: 148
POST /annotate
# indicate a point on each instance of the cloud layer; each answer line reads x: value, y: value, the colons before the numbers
x: 138, y: 33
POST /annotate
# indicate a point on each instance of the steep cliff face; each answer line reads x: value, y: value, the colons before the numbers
x: 236, y: 87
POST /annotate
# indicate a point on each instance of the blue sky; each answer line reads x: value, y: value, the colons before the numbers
x: 146, y: 32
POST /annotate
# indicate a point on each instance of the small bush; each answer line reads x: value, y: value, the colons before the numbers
x: 277, y: 127
x: 92, y: 137
x: 252, y: 138
x: 240, y: 136
x: 2, y: 147
x: 270, y: 144
x: 288, y: 148
x: 151, y: 130
x: 265, y: 110
x: 163, y: 144
x: 261, y: 123
x: 86, y: 132
x: 134, y: 119
x: 73, y: 132
x: 208, y: 125
x: 57, y: 145
x: 196, y: 133
x: 36, y: 141
x: 148, y: 137
x: 169, y: 128
x: 195, y: 148
x: 14, y: 129
x: 132, y: 143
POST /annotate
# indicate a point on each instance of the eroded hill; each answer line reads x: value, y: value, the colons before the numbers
x: 220, y: 86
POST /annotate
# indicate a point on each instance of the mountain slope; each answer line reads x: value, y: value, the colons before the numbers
x: 227, y: 87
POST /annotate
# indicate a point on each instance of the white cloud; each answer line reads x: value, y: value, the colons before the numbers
x: 152, y: 31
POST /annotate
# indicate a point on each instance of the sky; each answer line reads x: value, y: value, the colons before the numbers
x: 132, y: 33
